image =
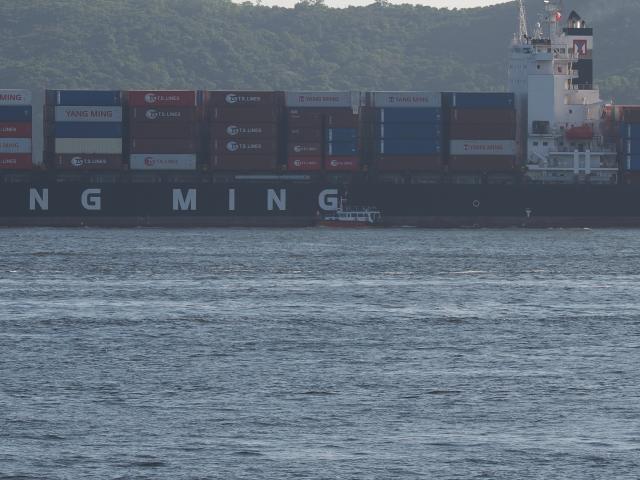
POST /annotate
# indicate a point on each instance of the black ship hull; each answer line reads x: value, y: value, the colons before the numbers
x: 47, y: 201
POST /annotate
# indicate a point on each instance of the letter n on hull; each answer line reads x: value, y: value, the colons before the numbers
x: 38, y: 199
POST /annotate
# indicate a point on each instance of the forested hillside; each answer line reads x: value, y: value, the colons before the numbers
x: 218, y: 44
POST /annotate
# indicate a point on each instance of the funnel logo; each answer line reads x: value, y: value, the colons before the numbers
x: 232, y: 130
x: 233, y: 146
x: 231, y: 98
x: 580, y: 47
x: 77, y: 162
x: 150, y: 98
x: 151, y: 114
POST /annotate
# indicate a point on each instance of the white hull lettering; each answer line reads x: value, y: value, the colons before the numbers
x: 275, y: 200
x: 91, y: 200
x: 39, y: 198
x: 181, y: 202
x: 328, y: 199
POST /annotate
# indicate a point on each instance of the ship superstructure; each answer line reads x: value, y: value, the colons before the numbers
x: 559, y: 108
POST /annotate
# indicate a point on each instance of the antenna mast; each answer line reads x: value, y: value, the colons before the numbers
x: 522, y: 28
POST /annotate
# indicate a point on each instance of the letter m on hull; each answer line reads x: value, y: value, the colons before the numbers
x: 183, y: 202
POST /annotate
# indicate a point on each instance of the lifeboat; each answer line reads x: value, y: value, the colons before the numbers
x: 583, y: 132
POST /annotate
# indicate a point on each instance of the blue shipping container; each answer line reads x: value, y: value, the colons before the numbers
x: 15, y: 114
x: 632, y: 147
x: 408, y: 147
x: 630, y: 131
x: 85, y: 98
x: 480, y: 100
x: 409, y: 115
x: 342, y: 134
x: 343, y: 148
x: 408, y: 131
x: 88, y: 130
x: 632, y: 162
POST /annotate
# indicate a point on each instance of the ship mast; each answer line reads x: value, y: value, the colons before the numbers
x: 523, y: 33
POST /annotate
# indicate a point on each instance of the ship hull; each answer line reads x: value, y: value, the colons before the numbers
x: 40, y: 201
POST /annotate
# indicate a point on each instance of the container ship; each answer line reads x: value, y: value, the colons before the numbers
x: 547, y: 153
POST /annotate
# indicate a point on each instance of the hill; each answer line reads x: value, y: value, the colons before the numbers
x: 217, y: 44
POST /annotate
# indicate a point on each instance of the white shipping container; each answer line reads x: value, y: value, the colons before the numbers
x: 323, y: 99
x: 15, y: 97
x: 153, y: 161
x: 88, y: 114
x: 15, y: 145
x: 483, y: 147
x: 89, y: 145
x: 407, y: 99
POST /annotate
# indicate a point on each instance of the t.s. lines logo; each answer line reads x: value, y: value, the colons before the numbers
x: 231, y: 98
x: 232, y: 146
x: 151, y: 114
x: 150, y: 98
x: 77, y: 161
x: 233, y: 130
x: 149, y: 161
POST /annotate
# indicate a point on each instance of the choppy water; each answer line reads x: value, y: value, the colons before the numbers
x: 316, y: 353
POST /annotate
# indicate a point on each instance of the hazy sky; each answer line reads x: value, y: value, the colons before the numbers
x: 433, y: 3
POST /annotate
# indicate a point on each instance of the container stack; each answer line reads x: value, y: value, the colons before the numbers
x: 406, y: 128
x: 15, y: 130
x: 630, y: 136
x: 163, y: 129
x: 244, y: 128
x: 323, y: 131
x: 482, y: 132
x: 83, y: 129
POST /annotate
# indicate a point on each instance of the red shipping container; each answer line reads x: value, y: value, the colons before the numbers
x: 402, y: 163
x: 305, y: 117
x: 305, y: 163
x: 244, y: 130
x: 163, y: 114
x: 21, y: 161
x: 254, y: 163
x: 342, y: 164
x: 230, y: 147
x: 247, y: 99
x: 476, y: 115
x: 88, y: 162
x: 481, y: 163
x: 305, y: 135
x: 482, y: 131
x: 304, y: 149
x: 15, y: 130
x: 163, y: 146
x: 161, y: 98
x: 342, y: 118
x: 248, y: 115
x: 163, y: 130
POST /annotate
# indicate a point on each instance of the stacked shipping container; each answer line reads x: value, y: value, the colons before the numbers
x: 15, y: 130
x: 244, y: 128
x: 163, y: 129
x: 323, y: 131
x: 630, y: 136
x: 406, y: 130
x: 83, y: 129
x: 482, y: 132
